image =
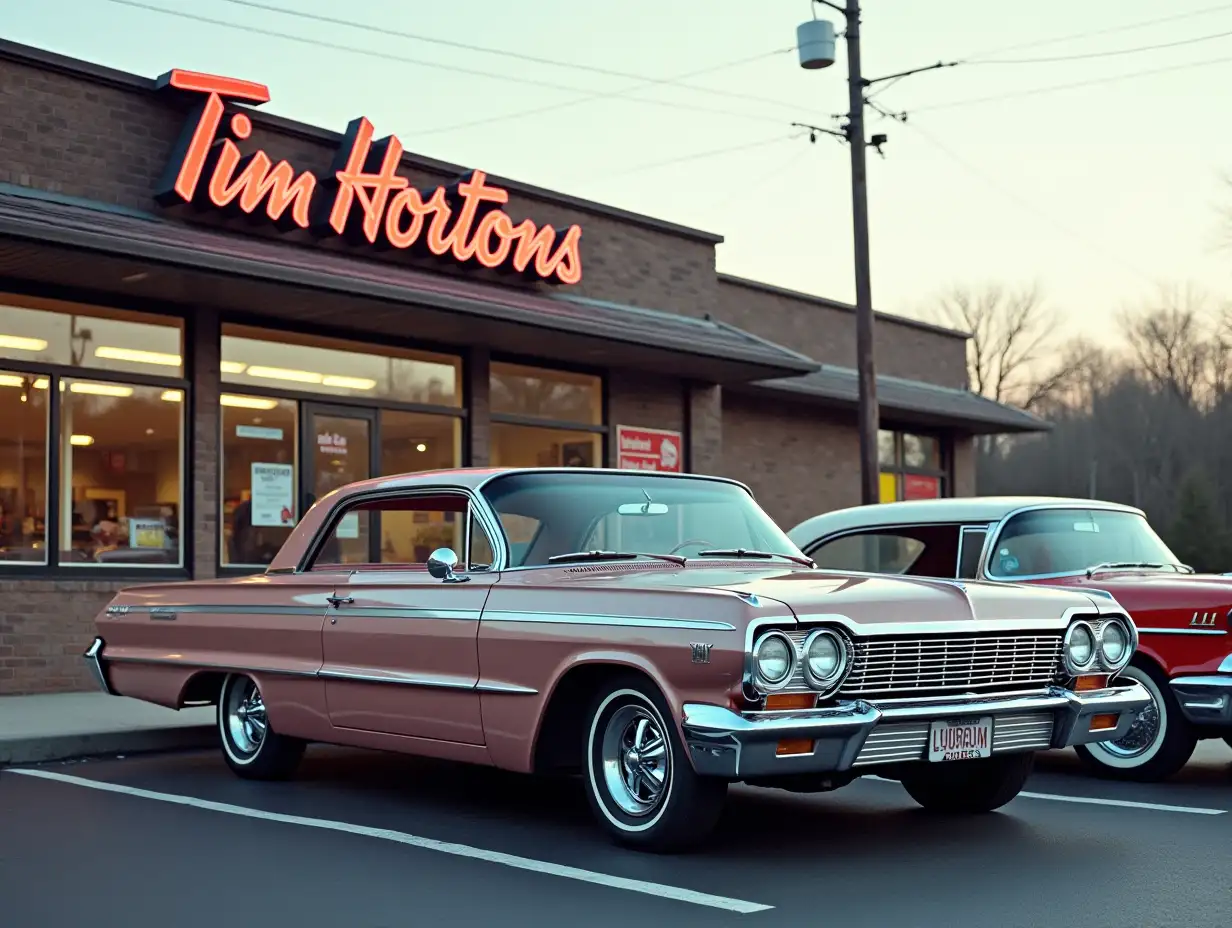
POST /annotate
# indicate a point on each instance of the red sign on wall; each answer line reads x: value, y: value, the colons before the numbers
x: 649, y: 449
x: 916, y: 486
x: 363, y: 199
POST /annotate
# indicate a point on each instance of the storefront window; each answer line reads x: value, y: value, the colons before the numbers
x: 121, y: 454
x: 254, y: 358
x: 413, y: 442
x: 23, y: 468
x: 259, y: 477
x: 569, y: 406
x: 912, y: 466
x: 106, y: 489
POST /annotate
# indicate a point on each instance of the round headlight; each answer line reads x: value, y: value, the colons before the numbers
x: 1079, y: 646
x: 824, y: 658
x: 775, y: 657
x: 1113, y: 643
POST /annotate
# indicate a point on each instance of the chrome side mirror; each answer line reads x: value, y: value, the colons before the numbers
x: 441, y: 564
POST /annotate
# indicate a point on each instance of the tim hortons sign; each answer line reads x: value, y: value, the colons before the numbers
x: 362, y: 200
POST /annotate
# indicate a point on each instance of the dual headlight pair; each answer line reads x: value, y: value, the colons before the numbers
x: 824, y: 656
x: 1107, y: 647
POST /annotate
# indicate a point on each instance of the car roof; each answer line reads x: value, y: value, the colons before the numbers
x: 924, y: 511
x: 474, y: 477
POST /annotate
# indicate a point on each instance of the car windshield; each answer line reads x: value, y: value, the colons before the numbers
x: 551, y: 514
x: 1058, y: 541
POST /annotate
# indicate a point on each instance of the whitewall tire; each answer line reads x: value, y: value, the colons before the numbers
x: 250, y: 746
x: 1159, y: 744
x: 640, y: 785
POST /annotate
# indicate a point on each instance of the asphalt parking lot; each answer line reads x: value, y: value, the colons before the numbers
x: 366, y: 840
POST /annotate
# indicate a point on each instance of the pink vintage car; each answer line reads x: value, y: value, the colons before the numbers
x: 657, y: 634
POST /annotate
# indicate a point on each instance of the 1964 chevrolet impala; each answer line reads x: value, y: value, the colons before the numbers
x: 657, y: 634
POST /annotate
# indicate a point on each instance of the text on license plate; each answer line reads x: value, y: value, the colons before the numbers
x: 960, y: 739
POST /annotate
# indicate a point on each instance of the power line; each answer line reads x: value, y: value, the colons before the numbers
x: 1107, y: 54
x: 372, y: 53
x: 504, y: 53
x: 702, y: 155
x: 1024, y: 202
x: 1054, y: 88
x: 1073, y: 36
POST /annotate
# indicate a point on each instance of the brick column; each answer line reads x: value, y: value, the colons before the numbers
x: 204, y: 345
x: 478, y: 391
x: 704, y: 405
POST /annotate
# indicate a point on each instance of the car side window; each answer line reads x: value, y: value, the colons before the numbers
x: 971, y: 545
x: 521, y: 532
x: 402, y: 531
x: 872, y: 552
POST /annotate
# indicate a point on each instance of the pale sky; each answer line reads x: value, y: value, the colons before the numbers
x: 1096, y: 192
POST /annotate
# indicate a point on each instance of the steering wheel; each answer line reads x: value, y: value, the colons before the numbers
x: 692, y: 541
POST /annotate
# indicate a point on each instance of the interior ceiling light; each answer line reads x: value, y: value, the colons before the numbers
x: 282, y: 373
x: 349, y: 383
x: 81, y: 441
x: 421, y: 447
x: 172, y: 396
x: 135, y: 355
x: 101, y: 389
x: 246, y: 402
x: 233, y: 367
x: 21, y: 343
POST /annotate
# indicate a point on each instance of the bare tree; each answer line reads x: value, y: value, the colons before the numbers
x: 1180, y: 344
x: 1014, y: 355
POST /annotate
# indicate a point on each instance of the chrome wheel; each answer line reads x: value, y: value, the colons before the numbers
x: 637, y: 764
x: 1141, y: 736
x: 245, y: 718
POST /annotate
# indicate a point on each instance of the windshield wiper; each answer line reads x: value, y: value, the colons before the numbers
x: 612, y: 556
x: 747, y: 552
x: 1130, y: 565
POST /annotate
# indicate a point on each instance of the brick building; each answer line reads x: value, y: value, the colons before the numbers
x: 210, y: 315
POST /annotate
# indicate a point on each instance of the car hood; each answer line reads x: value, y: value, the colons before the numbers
x: 871, y: 600
x: 1149, y: 590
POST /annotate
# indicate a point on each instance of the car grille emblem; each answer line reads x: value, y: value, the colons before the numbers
x: 701, y: 652
x: 1203, y: 620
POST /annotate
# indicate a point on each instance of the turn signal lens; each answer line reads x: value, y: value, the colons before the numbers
x: 778, y: 701
x: 794, y: 746
x: 1090, y: 681
x: 1102, y: 722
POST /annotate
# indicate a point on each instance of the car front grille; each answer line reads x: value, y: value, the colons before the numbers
x: 899, y: 666
x: 908, y: 741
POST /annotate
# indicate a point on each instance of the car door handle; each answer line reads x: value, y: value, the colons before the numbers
x: 339, y: 600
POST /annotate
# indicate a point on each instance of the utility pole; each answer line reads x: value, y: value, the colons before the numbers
x: 813, y: 39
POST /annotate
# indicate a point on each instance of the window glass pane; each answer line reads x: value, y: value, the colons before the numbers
x: 23, y: 468
x: 411, y: 528
x: 969, y: 554
x: 518, y: 390
x: 884, y: 554
x: 110, y: 340
x: 520, y: 532
x: 921, y: 452
x: 120, y: 448
x: 414, y: 441
x: 529, y: 446
x: 308, y: 363
x: 887, y: 454
x: 1054, y: 541
x: 482, y: 555
x: 259, y: 477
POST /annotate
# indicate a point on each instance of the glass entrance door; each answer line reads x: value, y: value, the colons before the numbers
x: 338, y: 448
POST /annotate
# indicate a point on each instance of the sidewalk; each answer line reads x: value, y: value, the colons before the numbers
x: 64, y: 725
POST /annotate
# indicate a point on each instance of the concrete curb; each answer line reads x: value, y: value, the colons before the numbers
x: 45, y: 748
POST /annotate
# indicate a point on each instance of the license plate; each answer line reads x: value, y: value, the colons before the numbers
x: 960, y: 739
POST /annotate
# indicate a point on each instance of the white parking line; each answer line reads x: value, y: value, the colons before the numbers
x: 429, y: 844
x: 1092, y: 801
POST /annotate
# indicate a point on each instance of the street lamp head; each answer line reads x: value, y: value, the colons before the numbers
x: 815, y: 41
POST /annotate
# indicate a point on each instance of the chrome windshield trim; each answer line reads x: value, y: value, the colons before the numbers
x: 624, y: 621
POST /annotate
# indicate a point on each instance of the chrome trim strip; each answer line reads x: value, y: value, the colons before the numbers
x: 622, y: 621
x: 875, y: 629
x: 395, y: 612
x: 357, y: 675
x: 97, y: 671
x: 1181, y: 631
x: 172, y: 611
x: 507, y: 689
x: 209, y: 665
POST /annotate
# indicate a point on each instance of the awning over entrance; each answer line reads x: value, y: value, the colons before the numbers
x: 907, y: 402
x: 100, y: 248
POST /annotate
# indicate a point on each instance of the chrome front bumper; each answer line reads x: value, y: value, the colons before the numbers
x: 95, y: 665
x: 858, y: 734
x: 1205, y: 700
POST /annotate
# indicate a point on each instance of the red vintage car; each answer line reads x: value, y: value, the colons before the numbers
x: 657, y: 634
x: 1185, y: 657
